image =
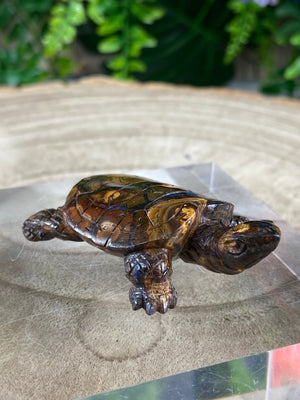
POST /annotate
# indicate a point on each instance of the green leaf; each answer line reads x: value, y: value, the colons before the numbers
x: 293, y: 70
x: 67, y: 33
x: 237, y: 6
x: 146, y: 13
x: 97, y: 10
x: 135, y: 49
x: 140, y: 39
x: 111, y: 25
x: 55, y: 23
x: 117, y: 63
x: 51, y: 44
x: 58, y: 10
x: 139, y: 35
x: 295, y: 39
x: 111, y: 44
x: 136, y: 66
x: 240, y: 29
x: 95, y: 13
x: 75, y: 13
x: 108, y: 7
x: 283, y: 34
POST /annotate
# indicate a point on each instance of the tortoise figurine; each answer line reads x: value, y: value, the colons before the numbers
x: 150, y: 223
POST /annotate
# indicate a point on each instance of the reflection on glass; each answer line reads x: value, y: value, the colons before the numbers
x: 271, y: 376
x: 284, y: 373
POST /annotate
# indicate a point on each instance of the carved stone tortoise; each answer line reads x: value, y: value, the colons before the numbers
x: 149, y: 223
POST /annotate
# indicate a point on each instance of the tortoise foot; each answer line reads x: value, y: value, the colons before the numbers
x: 141, y: 298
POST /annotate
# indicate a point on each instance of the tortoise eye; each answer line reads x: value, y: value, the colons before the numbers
x: 234, y: 247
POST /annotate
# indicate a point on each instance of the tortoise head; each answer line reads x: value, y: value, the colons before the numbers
x: 231, y: 249
x: 48, y: 224
x: 39, y: 226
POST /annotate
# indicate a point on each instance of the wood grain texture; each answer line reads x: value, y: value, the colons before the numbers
x: 59, y: 131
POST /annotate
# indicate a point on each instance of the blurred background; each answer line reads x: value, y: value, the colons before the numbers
x: 204, y: 43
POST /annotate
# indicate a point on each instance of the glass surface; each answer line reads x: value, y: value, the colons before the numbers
x: 273, y: 375
x: 66, y: 325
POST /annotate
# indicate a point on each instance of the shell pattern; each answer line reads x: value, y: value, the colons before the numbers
x: 121, y: 214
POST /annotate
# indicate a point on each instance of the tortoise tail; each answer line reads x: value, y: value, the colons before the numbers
x: 46, y: 225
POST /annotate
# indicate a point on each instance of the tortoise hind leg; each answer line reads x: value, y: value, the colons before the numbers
x: 46, y: 225
x: 150, y: 272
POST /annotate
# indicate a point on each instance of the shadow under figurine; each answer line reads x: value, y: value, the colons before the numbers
x: 149, y: 223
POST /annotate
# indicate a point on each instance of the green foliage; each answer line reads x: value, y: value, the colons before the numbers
x: 289, y: 34
x: 286, y: 80
x: 21, y: 24
x: 293, y: 69
x: 262, y: 28
x: 241, y: 27
x: 120, y: 25
x: 65, y: 17
x: 22, y: 58
x: 190, y: 44
x: 164, y: 40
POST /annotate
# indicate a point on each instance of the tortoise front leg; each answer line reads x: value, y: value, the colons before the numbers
x: 150, y: 272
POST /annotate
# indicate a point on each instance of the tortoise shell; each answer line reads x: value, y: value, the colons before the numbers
x: 149, y: 223
x: 122, y: 214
